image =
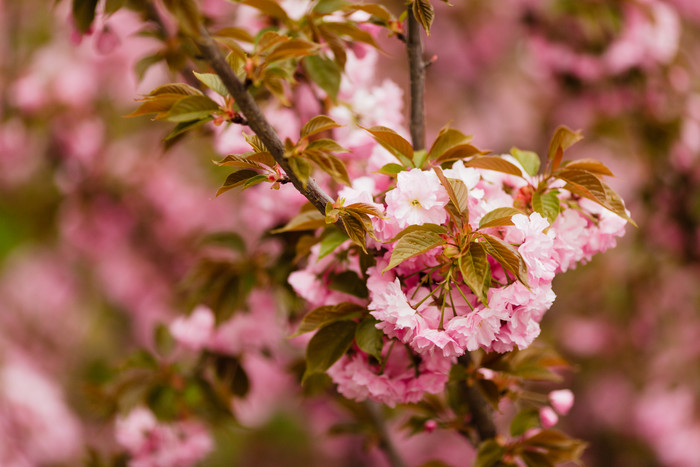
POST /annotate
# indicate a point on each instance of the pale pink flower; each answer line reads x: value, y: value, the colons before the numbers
x: 418, y: 198
x: 36, y: 425
x: 154, y: 444
x: 194, y: 331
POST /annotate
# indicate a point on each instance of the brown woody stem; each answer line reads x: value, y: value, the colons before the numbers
x: 257, y: 121
x: 482, y: 415
x: 385, y: 443
x: 414, y: 47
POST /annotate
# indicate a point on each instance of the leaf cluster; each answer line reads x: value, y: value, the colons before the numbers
x: 339, y: 327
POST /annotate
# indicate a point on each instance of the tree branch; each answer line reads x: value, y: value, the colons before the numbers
x: 414, y: 47
x: 257, y: 121
x: 385, y: 442
x: 482, y: 415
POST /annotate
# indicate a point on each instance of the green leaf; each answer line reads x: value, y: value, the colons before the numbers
x: 293, y: 48
x: 307, y: 220
x: 434, y: 228
x: 324, y: 315
x: 325, y: 7
x: 507, y: 255
x: 232, y: 375
x: 494, y: 163
x: 328, y: 345
x: 330, y: 241
x: 238, y: 34
x: 498, y: 217
x: 413, y: 244
x: 259, y: 160
x: 145, y: 63
x: 524, y: 420
x: 391, y: 169
x: 363, y: 208
x: 535, y: 459
x: 191, y: 108
x: 546, y: 204
x: 350, y: 31
x: 419, y: 158
x: 186, y: 126
x: 392, y: 142
x: 176, y: 88
x: 534, y: 363
x: 447, y: 139
x: 476, y: 271
x: 213, y: 82
x: 424, y: 13
x: 461, y: 194
x: 318, y: 124
x: 268, y: 7
x: 260, y: 178
x: 459, y: 152
x: 615, y: 204
x: 84, y: 14
x: 557, y: 446
x: 590, y: 165
x: 373, y: 9
x: 461, y: 202
x: 236, y: 179
x: 528, y: 159
x: 325, y: 145
x: 255, y: 142
x: 563, y: 139
x: 301, y: 168
x: 324, y: 72
x: 489, y: 454
x: 370, y: 339
x: 586, y: 180
x: 350, y: 283
x: 330, y: 164
x: 356, y: 230
x: 157, y: 105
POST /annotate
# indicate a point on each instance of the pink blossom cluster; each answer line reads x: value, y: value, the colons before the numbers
x: 259, y: 329
x: 151, y: 443
x: 405, y: 305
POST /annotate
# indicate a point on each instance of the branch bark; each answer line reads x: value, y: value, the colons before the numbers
x: 385, y: 442
x: 482, y: 415
x: 257, y: 121
x: 414, y: 46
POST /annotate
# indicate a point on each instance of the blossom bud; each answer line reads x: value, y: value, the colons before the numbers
x: 430, y: 426
x: 548, y: 417
x: 561, y: 400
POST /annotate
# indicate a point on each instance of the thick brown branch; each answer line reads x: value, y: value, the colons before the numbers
x: 257, y: 121
x: 385, y: 443
x: 482, y: 415
x: 417, y: 69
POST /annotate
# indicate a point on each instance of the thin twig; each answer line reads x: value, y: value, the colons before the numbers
x: 414, y: 46
x: 385, y: 443
x: 257, y: 121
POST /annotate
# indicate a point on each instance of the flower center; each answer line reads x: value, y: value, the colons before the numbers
x: 415, y: 202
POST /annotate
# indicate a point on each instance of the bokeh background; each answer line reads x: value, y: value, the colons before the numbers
x: 101, y: 226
